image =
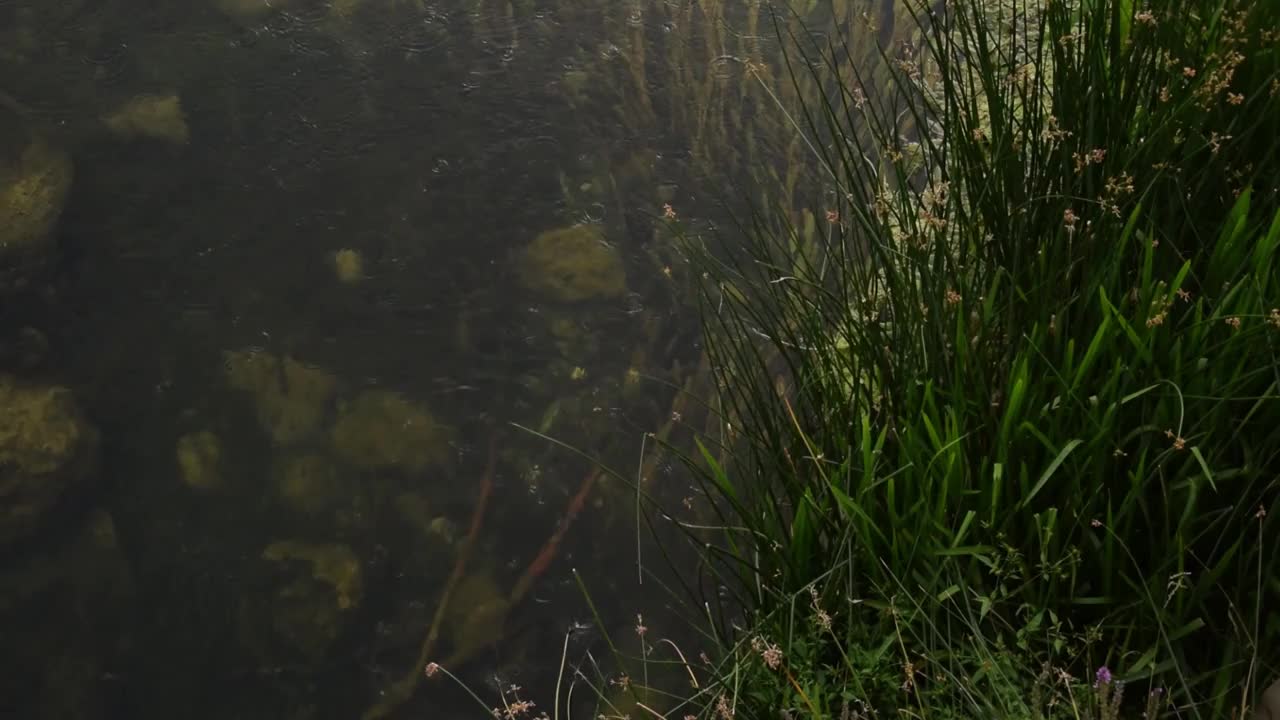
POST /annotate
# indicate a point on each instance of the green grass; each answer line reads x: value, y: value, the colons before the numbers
x: 1015, y: 413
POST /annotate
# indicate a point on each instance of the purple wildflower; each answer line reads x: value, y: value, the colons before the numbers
x: 1102, y: 677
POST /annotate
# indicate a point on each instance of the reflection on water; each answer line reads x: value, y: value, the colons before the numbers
x: 275, y: 280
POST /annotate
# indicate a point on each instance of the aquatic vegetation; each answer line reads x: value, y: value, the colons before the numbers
x: 571, y: 265
x: 1013, y: 406
x: 568, y: 327
x: 310, y: 484
x: 46, y: 449
x: 473, y: 600
x: 415, y: 509
x: 332, y: 564
x: 291, y: 399
x: 32, y: 193
x: 575, y: 85
x: 348, y: 265
x: 380, y: 429
x: 316, y: 586
x: 199, y: 459
x: 317, y: 486
x: 154, y: 117
x: 476, y: 616
x: 714, y: 80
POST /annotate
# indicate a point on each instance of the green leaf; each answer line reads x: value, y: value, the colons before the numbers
x: 1195, y: 452
x: 1048, y: 473
x: 1095, y: 345
x: 1138, y: 345
x: 717, y: 472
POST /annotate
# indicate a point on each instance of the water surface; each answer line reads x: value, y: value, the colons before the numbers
x: 290, y: 287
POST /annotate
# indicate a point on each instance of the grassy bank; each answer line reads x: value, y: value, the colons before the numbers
x: 1006, y: 436
x: 1000, y: 437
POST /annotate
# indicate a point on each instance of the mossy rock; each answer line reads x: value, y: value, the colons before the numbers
x: 381, y: 430
x: 348, y: 266
x: 46, y: 448
x: 199, y: 456
x: 571, y: 265
x: 291, y: 399
x: 33, y: 189
x: 313, y: 589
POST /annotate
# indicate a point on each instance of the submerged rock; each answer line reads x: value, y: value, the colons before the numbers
x: 291, y: 399
x: 380, y: 429
x: 572, y: 264
x: 315, y: 587
x: 46, y: 448
x: 155, y: 117
x: 348, y: 265
x: 199, y: 459
x: 33, y: 189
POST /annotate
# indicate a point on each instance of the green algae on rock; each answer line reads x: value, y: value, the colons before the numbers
x: 333, y: 564
x: 571, y: 265
x: 46, y: 448
x: 33, y: 190
x: 199, y: 459
x: 315, y: 588
x: 291, y: 398
x: 381, y: 430
x: 348, y: 266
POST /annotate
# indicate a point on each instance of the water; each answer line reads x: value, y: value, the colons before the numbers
x: 289, y: 291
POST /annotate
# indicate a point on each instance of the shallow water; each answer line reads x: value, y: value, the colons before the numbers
x: 433, y: 141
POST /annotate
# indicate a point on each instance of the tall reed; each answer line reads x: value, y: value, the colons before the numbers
x: 1022, y: 391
